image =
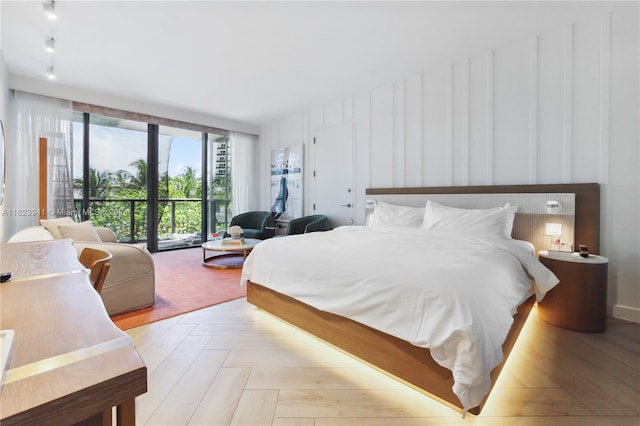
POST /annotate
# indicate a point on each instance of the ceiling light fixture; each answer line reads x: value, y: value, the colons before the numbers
x: 50, y: 9
x: 49, y: 45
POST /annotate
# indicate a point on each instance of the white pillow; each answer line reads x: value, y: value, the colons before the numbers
x: 51, y: 225
x: 511, y: 215
x: 486, y: 223
x: 394, y: 215
x: 82, y: 231
x: 31, y: 233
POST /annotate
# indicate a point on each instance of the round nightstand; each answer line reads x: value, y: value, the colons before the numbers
x: 579, y: 301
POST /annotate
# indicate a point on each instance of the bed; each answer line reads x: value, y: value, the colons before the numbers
x: 447, y: 339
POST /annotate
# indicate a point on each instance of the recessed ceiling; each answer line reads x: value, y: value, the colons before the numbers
x: 254, y: 62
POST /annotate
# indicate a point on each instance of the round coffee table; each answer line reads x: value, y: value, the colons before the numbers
x: 230, y: 256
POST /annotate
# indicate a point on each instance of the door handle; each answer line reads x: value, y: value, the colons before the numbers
x: 346, y: 205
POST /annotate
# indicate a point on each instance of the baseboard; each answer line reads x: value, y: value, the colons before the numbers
x: 625, y: 313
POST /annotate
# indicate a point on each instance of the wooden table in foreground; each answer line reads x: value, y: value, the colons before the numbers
x: 70, y: 364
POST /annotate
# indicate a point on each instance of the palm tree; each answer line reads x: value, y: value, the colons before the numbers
x: 189, y: 182
x: 122, y: 180
x: 100, y: 183
x: 139, y: 180
x: 163, y: 194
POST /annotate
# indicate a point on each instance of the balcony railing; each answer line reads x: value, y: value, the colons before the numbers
x: 127, y: 217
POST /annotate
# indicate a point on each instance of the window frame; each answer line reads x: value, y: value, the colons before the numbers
x: 153, y: 124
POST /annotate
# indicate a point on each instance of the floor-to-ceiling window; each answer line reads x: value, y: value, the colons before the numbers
x: 179, y: 188
x: 77, y: 158
x: 168, y: 205
x: 113, y: 189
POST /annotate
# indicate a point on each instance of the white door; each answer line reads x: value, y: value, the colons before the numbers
x: 333, y: 174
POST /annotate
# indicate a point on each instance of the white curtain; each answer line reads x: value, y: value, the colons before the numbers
x: 244, y: 194
x: 33, y: 117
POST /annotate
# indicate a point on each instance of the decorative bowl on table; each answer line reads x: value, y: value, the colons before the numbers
x: 236, y: 232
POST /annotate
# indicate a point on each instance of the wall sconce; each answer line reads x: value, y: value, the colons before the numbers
x: 554, y: 207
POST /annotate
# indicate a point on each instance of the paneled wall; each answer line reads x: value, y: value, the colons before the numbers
x: 559, y: 106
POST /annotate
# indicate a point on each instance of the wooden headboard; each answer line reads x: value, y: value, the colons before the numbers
x: 587, y: 203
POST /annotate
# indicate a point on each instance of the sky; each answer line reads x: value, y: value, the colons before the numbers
x: 185, y: 152
x: 115, y: 149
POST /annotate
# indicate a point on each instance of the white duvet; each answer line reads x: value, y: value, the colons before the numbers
x: 451, y: 293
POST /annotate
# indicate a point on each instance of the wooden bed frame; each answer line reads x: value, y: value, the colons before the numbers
x: 409, y: 363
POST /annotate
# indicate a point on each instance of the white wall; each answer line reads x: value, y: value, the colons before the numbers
x: 4, y: 101
x: 4, y: 96
x: 47, y: 88
x: 560, y: 106
x: 4, y: 88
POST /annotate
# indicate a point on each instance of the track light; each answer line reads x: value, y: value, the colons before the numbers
x: 49, y: 45
x: 50, y: 9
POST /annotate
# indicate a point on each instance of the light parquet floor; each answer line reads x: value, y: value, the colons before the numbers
x: 231, y: 364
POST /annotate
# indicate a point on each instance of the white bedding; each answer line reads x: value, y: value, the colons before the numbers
x: 453, y: 294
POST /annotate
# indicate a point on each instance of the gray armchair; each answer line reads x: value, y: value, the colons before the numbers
x: 303, y: 225
x: 253, y: 224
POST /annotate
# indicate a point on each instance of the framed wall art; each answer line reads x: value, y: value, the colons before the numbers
x: 286, y: 182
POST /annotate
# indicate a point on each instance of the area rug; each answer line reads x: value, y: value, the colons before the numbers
x: 184, y: 285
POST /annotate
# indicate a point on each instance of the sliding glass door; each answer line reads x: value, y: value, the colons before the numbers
x: 179, y: 188
x: 145, y: 181
x: 112, y: 189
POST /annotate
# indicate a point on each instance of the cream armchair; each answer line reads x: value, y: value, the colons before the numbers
x: 130, y: 284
